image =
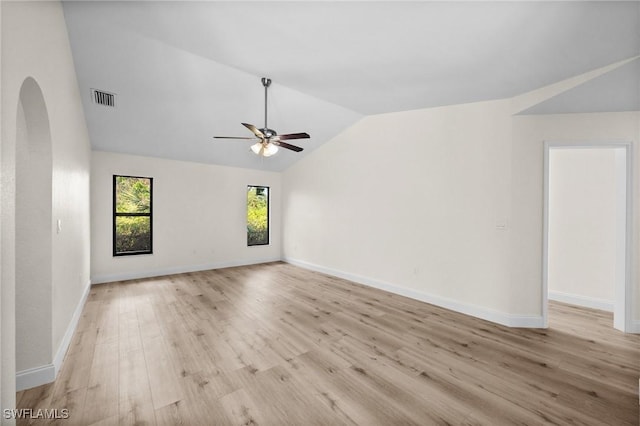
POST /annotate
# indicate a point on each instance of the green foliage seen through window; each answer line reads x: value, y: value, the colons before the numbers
x: 132, y: 215
x: 257, y: 215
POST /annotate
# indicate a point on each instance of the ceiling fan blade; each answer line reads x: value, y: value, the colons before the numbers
x: 286, y: 145
x: 293, y: 136
x: 254, y: 129
x: 233, y: 137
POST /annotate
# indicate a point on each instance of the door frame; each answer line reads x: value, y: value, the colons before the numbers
x: 623, y: 316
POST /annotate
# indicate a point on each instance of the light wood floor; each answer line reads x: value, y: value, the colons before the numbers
x: 274, y: 344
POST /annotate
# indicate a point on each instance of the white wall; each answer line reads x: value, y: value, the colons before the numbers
x: 414, y: 202
x: 7, y: 359
x: 199, y: 217
x: 582, y: 226
x: 35, y: 44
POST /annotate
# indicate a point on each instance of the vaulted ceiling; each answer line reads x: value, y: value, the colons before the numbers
x: 186, y: 71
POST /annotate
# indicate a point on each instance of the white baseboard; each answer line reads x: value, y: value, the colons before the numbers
x: 27, y: 379
x: 510, y: 320
x: 635, y: 327
x: 71, y: 328
x: 587, y: 302
x: 101, y: 279
x: 44, y: 374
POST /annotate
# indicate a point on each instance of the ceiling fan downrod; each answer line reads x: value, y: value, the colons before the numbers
x: 266, y: 82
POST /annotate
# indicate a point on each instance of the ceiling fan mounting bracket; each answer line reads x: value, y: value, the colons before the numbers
x: 266, y: 82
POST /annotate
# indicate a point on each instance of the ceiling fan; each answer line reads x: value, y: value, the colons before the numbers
x: 268, y: 139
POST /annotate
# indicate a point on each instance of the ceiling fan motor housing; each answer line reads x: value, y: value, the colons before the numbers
x: 268, y: 132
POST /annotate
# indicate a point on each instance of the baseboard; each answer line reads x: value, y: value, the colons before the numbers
x: 584, y: 301
x: 33, y: 377
x: 44, y: 374
x: 509, y: 320
x: 101, y: 279
x: 635, y: 327
x: 71, y: 328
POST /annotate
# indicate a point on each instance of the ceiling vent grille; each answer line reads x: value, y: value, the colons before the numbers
x: 101, y: 97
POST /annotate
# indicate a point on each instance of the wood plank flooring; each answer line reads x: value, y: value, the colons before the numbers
x: 274, y: 344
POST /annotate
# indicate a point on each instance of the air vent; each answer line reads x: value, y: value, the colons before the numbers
x: 101, y: 97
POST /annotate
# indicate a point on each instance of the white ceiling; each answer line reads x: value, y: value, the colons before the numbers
x: 185, y: 71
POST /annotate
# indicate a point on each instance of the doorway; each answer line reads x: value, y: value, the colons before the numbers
x: 33, y: 239
x: 587, y: 227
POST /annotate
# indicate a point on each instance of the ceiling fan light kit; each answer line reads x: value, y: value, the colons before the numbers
x: 268, y: 139
x: 265, y: 150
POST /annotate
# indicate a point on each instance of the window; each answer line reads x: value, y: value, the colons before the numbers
x: 132, y: 215
x: 257, y: 215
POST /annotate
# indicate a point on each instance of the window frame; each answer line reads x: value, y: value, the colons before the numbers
x: 268, y: 215
x: 116, y: 214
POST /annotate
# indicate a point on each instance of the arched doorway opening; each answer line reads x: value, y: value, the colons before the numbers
x: 33, y: 239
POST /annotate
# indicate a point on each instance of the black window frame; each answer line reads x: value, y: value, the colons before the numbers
x: 119, y: 214
x: 268, y: 216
